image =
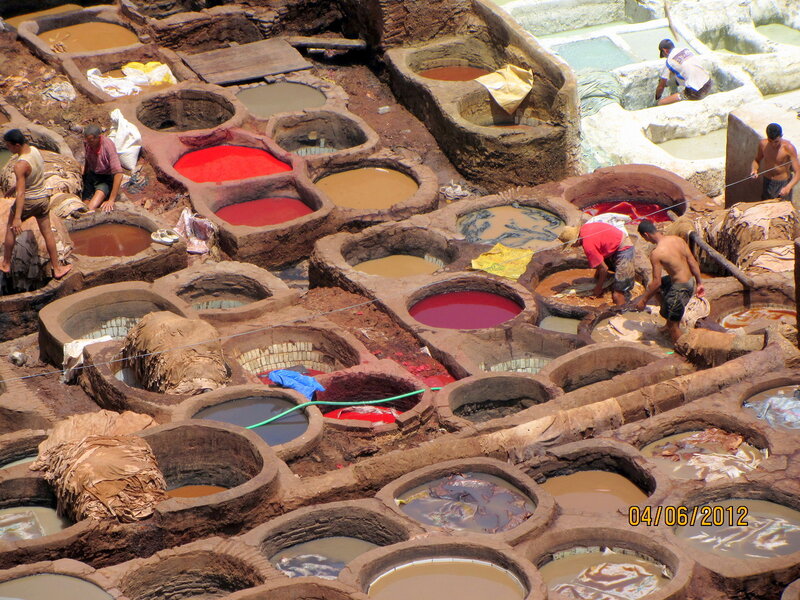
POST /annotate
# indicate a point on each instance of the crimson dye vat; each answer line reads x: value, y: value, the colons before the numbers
x: 264, y: 211
x: 228, y: 163
x: 465, y: 310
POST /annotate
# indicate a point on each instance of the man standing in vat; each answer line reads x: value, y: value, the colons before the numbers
x: 682, y: 279
x: 682, y: 63
x: 102, y: 171
x: 31, y: 200
x: 607, y: 248
x: 777, y: 158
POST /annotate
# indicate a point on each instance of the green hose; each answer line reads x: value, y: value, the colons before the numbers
x: 313, y: 402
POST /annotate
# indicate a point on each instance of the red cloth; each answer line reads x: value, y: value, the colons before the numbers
x: 599, y: 241
x: 103, y: 161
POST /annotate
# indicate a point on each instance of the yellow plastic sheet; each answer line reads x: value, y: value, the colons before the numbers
x: 508, y: 86
x: 157, y: 73
x: 504, y: 261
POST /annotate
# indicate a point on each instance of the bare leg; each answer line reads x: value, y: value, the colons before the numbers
x: 671, y: 99
x: 59, y: 270
x: 96, y: 200
x: 8, y: 245
x: 619, y: 298
x: 674, y: 330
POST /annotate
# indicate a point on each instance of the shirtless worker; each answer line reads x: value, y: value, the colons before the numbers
x: 777, y: 158
x: 681, y: 282
x: 688, y: 72
x: 607, y: 248
x: 31, y: 200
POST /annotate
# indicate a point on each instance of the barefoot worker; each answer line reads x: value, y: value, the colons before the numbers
x: 102, y: 171
x: 31, y: 200
x: 681, y: 282
x: 682, y: 63
x: 607, y: 248
x: 777, y: 157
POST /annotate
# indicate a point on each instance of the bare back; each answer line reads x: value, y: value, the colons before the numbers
x: 673, y: 255
x: 776, y: 159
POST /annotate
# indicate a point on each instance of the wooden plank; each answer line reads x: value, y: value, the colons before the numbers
x: 248, y: 73
x: 299, y: 41
x: 248, y: 61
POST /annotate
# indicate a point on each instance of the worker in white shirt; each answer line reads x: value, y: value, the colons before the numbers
x: 682, y: 63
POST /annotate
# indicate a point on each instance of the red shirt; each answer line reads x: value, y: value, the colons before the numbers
x: 599, y: 241
x: 104, y: 161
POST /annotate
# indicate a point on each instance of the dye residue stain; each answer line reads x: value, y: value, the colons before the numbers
x: 780, y: 407
x: 743, y: 318
x: 515, y: 226
x: 29, y: 522
x: 454, y: 73
x: 228, y: 163
x: 467, y: 501
x: 264, y: 211
x: 604, y: 575
x: 397, y: 266
x: 465, y: 310
x: 636, y: 210
x: 323, y: 557
x: 48, y: 586
x: 89, y: 37
x: 594, y: 491
x: 368, y: 188
x: 438, y: 578
x: 110, y: 239
x: 194, y: 491
x: 771, y: 529
x: 710, y: 455
x: 252, y: 410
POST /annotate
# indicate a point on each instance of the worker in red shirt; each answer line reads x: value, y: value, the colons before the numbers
x: 102, y: 171
x: 608, y: 248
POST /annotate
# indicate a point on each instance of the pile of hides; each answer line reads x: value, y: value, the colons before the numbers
x: 171, y: 354
x: 61, y: 174
x: 100, y: 469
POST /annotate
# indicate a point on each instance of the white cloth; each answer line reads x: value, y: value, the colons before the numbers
x: 686, y: 67
x: 616, y: 219
x: 116, y: 87
x: 73, y: 356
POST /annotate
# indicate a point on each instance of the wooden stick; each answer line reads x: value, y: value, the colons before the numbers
x: 728, y: 265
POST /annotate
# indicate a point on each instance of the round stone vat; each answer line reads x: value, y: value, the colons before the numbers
x: 64, y: 578
x: 319, y: 132
x: 207, y: 569
x: 520, y: 226
x: 596, y: 363
x: 472, y: 496
x: 479, y: 108
x: 597, y: 477
x: 218, y: 164
x: 775, y: 400
x: 362, y: 386
x: 482, y: 399
x: 320, y: 540
x: 749, y: 533
x: 610, y: 326
x: 792, y: 592
x: 614, y: 563
x: 197, y: 458
x: 20, y: 449
x: 291, y: 436
x: 263, y: 205
x: 104, y: 310
x: 439, y: 566
x: 28, y: 516
x: 266, y: 99
x: 368, y: 187
x: 185, y: 110
x: 460, y: 60
x: 771, y: 301
x: 301, y: 590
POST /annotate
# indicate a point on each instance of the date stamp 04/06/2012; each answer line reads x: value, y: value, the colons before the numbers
x: 685, y: 516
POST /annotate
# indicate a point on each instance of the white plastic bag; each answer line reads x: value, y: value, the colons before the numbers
x: 126, y: 138
x: 116, y: 87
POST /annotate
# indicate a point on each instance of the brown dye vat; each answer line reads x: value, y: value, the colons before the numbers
x: 46, y: 586
x: 780, y: 407
x: 575, y: 286
x: 454, y: 73
x: 480, y: 412
x: 19, y: 19
x: 397, y: 265
x: 373, y: 188
x: 560, y: 324
x: 29, y: 522
x: 110, y: 239
x: 644, y: 328
x: 269, y: 99
x: 447, y: 578
x: 602, y: 576
x: 89, y: 37
x: 710, y: 455
x: 594, y: 491
x: 772, y: 529
x: 324, y: 557
x: 744, y: 318
x: 514, y: 226
x: 467, y: 501
x: 194, y: 491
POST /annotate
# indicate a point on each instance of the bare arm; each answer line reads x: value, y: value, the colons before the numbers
x: 757, y: 161
x: 662, y: 83
x: 792, y: 151
x: 21, y: 170
x: 112, y: 195
x: 655, y: 282
x: 600, y: 276
x: 694, y: 267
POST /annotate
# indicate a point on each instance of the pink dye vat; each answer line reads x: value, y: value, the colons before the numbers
x: 264, y: 211
x: 228, y: 163
x: 635, y: 210
x: 465, y: 310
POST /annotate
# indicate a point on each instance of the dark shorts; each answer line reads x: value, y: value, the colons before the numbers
x: 621, y: 262
x: 690, y: 94
x: 674, y: 298
x: 93, y: 182
x: 771, y: 188
x: 35, y: 208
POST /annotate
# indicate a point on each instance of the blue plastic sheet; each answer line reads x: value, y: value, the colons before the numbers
x: 296, y: 381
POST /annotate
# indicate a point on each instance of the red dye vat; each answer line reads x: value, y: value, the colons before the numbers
x: 228, y: 163
x: 635, y: 210
x: 264, y: 211
x: 465, y: 310
x: 373, y: 414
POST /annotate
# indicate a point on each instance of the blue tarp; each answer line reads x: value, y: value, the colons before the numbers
x: 296, y: 381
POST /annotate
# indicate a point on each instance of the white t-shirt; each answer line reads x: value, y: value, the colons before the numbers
x: 684, y: 64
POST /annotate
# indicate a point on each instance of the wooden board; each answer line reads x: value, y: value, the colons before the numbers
x: 299, y: 41
x: 248, y: 61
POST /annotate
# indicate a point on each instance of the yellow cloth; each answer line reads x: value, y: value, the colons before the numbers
x: 157, y: 73
x: 504, y: 261
x: 508, y: 86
